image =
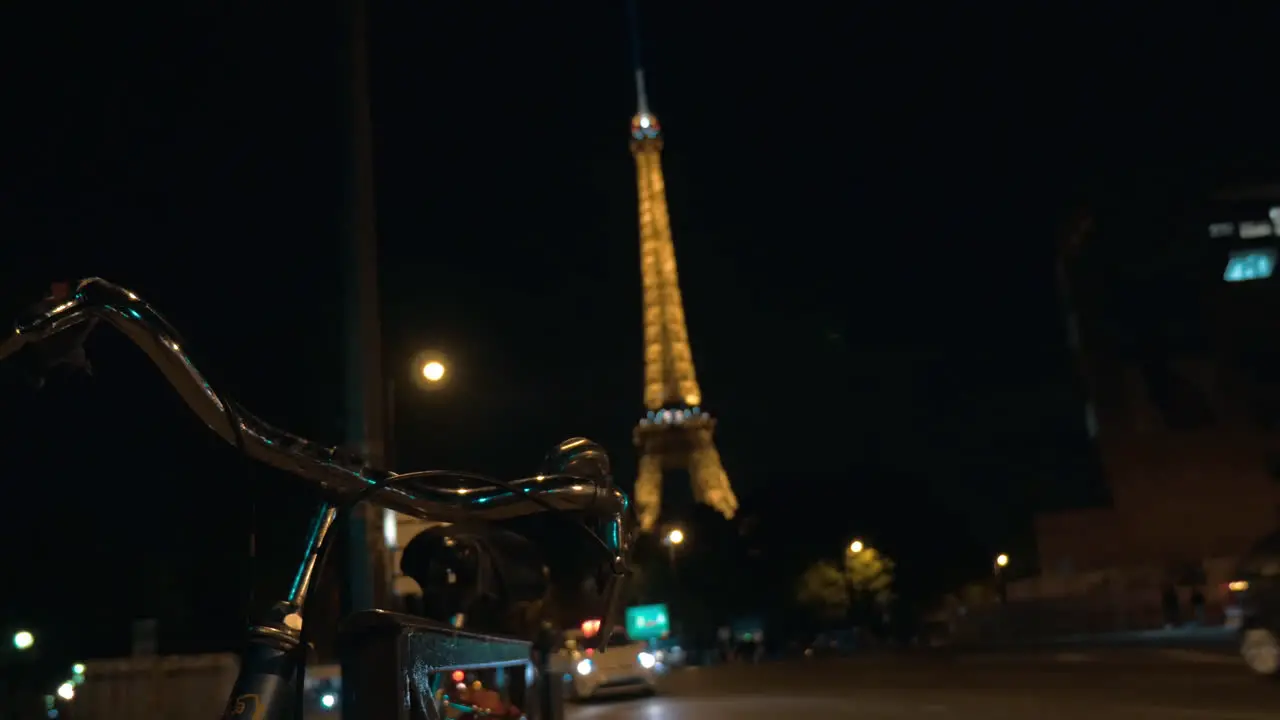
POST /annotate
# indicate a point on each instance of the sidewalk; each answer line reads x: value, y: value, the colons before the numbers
x: 1183, y: 637
x: 1212, y: 639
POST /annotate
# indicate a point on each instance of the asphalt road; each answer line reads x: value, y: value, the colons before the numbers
x: 1112, y: 685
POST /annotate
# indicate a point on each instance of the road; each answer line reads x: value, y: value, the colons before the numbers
x: 1110, y: 685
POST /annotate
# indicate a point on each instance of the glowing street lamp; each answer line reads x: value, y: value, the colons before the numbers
x: 675, y: 537
x: 430, y: 369
x: 1002, y: 560
x: 67, y: 691
x: 23, y: 640
x: 433, y: 371
x: 856, y: 547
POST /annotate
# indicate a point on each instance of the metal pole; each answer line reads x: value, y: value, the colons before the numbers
x: 364, y: 388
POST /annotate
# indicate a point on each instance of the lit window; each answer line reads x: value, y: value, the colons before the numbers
x: 1222, y: 229
x: 1245, y: 265
x: 1252, y: 229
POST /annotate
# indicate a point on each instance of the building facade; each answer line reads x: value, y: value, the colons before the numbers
x: 1172, y: 317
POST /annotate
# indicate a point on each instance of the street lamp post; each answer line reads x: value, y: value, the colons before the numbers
x: 1001, y: 562
x: 428, y: 371
x: 674, y: 538
x: 364, y: 414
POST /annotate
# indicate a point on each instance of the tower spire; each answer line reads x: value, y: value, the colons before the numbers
x: 642, y: 97
x: 644, y: 124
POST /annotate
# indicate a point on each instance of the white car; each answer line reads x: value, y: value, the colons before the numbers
x: 622, y: 668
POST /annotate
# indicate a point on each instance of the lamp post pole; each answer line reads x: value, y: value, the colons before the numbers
x: 365, y: 414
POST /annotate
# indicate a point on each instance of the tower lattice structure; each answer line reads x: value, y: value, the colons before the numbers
x: 676, y: 433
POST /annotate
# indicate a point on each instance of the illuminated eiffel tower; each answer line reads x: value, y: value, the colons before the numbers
x: 676, y: 433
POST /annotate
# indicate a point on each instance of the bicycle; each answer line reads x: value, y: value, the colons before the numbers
x: 391, y: 662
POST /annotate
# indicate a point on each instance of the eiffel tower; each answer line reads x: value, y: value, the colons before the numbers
x: 676, y: 433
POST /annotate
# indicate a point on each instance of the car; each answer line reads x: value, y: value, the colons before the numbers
x: 623, y: 667
x: 1256, y: 589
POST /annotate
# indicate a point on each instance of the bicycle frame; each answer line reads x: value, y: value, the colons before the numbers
x: 386, y: 657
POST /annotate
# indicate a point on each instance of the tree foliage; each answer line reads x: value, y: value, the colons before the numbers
x: 824, y: 591
x: 870, y: 576
x: 830, y: 590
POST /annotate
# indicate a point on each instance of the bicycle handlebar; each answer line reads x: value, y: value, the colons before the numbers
x: 340, y: 475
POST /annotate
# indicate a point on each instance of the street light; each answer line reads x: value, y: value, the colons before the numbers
x: 675, y: 537
x: 433, y: 371
x: 23, y: 640
x: 67, y: 691
x: 1002, y: 560
x: 856, y: 547
x: 430, y: 369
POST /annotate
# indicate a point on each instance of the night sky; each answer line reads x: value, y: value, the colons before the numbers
x: 864, y: 204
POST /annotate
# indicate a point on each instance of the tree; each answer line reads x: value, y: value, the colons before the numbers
x: 824, y: 590
x: 862, y: 587
x: 869, y: 574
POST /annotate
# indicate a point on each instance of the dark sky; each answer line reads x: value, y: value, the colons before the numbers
x: 864, y: 204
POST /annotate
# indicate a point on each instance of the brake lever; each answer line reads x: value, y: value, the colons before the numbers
x: 64, y: 348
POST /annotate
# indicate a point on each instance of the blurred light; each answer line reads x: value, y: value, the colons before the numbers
x: 23, y: 640
x: 390, y: 529
x: 584, y: 667
x: 66, y: 691
x: 646, y: 660
x: 433, y: 371
x: 590, y: 627
x: 77, y: 669
x: 458, y: 676
x: 675, y: 537
x: 1002, y: 560
x: 1238, y: 585
x: 1245, y: 265
x: 328, y: 700
x: 855, y: 546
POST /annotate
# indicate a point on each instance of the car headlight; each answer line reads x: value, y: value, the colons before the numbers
x: 585, y: 667
x: 646, y: 660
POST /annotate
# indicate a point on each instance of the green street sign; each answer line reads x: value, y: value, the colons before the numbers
x: 647, y: 622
